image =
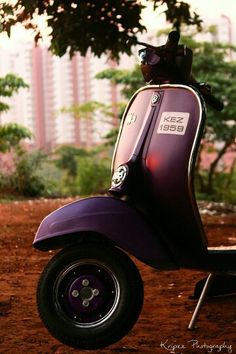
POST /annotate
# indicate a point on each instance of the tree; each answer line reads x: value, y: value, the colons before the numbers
x: 12, y: 133
x: 130, y: 80
x: 211, y: 65
x: 9, y: 85
x: 103, y: 26
x: 27, y: 178
x: 85, y: 171
x: 99, y: 111
x: 87, y: 109
x: 68, y: 159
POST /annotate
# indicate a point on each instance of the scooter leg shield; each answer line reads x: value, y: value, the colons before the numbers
x: 110, y: 219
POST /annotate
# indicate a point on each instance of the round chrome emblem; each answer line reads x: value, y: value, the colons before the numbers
x: 155, y: 98
x: 119, y: 176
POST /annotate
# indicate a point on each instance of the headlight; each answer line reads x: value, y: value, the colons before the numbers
x: 148, y: 56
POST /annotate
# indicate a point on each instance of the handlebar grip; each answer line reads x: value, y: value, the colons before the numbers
x: 205, y: 90
x: 213, y: 102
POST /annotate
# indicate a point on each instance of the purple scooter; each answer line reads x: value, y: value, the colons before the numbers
x: 91, y: 294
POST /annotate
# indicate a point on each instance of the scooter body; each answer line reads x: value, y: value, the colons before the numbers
x: 90, y: 294
x: 153, y: 165
x: 108, y: 220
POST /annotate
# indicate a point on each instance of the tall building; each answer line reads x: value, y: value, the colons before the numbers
x: 18, y: 62
x: 56, y: 83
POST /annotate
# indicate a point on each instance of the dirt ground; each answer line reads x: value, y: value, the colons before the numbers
x: 162, y: 326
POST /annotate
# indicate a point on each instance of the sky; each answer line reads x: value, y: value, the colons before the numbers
x: 209, y: 10
x: 213, y: 8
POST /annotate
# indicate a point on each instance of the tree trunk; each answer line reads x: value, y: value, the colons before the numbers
x: 213, y: 166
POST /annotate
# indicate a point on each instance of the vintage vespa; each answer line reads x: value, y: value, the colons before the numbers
x: 91, y: 294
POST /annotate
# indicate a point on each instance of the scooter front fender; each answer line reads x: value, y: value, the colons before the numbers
x: 106, y: 217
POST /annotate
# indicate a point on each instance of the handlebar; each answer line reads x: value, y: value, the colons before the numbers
x: 172, y: 63
x: 167, y: 51
x: 208, y: 97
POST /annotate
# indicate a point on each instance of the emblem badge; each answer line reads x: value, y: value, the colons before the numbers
x: 131, y: 118
x: 119, y: 176
x: 155, y: 98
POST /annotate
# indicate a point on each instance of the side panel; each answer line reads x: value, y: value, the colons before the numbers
x: 134, y: 127
x: 109, y: 217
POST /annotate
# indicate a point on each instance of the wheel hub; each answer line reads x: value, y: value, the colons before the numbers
x: 87, y: 293
x: 84, y: 292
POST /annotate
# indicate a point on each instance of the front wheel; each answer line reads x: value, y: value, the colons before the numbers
x: 90, y: 296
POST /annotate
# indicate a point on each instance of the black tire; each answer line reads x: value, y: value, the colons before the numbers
x: 90, y: 296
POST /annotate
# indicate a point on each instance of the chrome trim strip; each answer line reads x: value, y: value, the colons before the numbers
x: 222, y: 248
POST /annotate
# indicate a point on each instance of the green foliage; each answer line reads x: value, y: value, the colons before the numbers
x: 24, y: 179
x: 131, y: 80
x: 11, y: 134
x: 103, y: 26
x: 111, y: 137
x: 94, y: 175
x: 9, y: 85
x: 67, y: 159
x: 84, y: 172
x: 221, y: 74
x: 89, y: 109
x: 27, y: 178
x: 224, y: 187
x: 3, y: 181
x: 211, y: 64
x: 178, y: 13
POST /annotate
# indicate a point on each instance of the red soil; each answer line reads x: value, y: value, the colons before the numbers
x: 162, y: 326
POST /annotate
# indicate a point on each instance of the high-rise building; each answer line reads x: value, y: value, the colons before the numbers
x: 56, y: 83
x: 19, y: 62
